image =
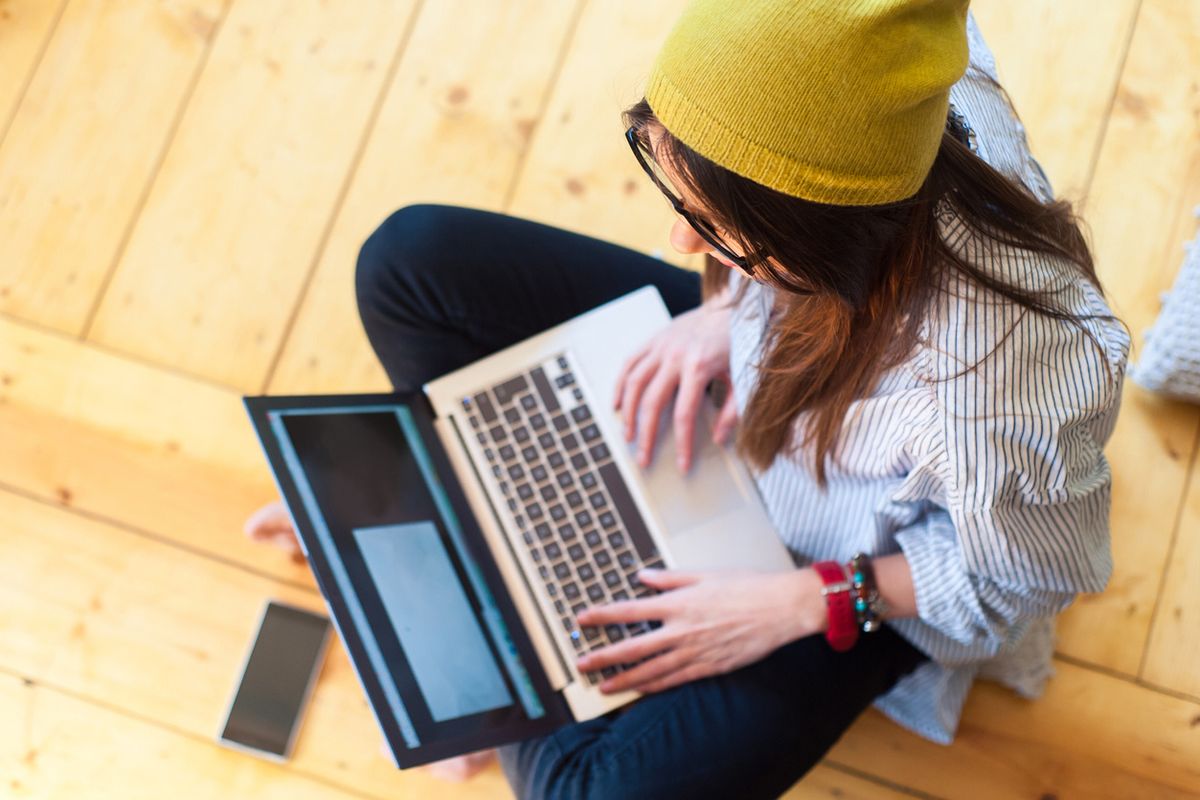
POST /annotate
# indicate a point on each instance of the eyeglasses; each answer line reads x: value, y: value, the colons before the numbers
x: 702, y: 227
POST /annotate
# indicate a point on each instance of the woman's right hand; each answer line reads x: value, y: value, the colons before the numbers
x: 273, y: 525
x: 685, y: 356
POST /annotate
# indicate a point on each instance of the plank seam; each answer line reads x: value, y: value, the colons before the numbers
x: 185, y: 101
x: 1097, y: 148
x: 1162, y: 577
x: 33, y: 68
x: 876, y: 779
x: 385, y: 90
x: 547, y: 95
x: 149, y: 535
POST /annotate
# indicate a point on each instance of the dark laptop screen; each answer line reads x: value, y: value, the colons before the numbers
x: 394, y: 546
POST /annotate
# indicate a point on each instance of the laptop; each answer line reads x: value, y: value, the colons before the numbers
x: 457, y: 531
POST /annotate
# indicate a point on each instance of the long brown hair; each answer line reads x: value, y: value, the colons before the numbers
x: 855, y: 280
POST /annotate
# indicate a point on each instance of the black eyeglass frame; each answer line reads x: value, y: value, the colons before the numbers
x: 698, y: 224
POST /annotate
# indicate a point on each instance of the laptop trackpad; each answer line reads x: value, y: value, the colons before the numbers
x: 710, y: 489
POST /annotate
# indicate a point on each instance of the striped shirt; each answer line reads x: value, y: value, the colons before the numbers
x: 992, y: 482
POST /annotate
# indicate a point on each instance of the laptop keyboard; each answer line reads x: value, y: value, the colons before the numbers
x: 549, y: 462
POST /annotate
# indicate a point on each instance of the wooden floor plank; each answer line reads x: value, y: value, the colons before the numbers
x: 83, y: 144
x: 453, y: 129
x: 230, y: 229
x: 1091, y: 736
x: 1075, y: 44
x: 159, y: 632
x: 1141, y: 196
x: 165, y: 454
x: 580, y: 174
x: 54, y: 745
x: 24, y: 26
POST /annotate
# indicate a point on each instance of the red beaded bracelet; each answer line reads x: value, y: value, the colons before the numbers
x: 842, y: 632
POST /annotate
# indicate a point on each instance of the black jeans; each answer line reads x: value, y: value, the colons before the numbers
x: 441, y: 286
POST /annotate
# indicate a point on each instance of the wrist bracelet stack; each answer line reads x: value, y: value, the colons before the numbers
x: 852, y: 598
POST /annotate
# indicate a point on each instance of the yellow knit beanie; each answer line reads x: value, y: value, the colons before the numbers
x: 835, y: 101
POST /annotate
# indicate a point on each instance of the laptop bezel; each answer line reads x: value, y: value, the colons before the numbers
x: 557, y: 710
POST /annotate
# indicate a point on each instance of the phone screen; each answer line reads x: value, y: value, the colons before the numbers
x: 275, y: 683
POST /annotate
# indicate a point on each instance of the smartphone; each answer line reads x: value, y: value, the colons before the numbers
x: 277, y: 679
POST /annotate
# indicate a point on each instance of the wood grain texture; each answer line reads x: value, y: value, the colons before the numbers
x: 160, y: 633
x: 83, y: 144
x: 580, y: 174
x: 104, y: 435
x: 453, y: 129
x: 1146, y: 184
x: 1059, y: 61
x: 228, y: 235
x: 1090, y: 737
x: 24, y: 26
x: 54, y: 745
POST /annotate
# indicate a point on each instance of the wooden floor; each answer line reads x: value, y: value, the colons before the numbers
x: 183, y: 188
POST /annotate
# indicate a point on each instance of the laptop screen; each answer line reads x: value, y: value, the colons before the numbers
x: 389, y: 546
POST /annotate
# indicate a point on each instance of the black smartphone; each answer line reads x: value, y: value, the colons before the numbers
x: 277, y: 679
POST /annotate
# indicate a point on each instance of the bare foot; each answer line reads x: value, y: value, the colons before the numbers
x: 461, y: 768
x: 273, y: 525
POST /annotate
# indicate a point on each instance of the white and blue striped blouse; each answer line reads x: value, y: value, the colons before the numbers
x: 992, y: 482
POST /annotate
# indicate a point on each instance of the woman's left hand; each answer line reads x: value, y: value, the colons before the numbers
x: 712, y: 623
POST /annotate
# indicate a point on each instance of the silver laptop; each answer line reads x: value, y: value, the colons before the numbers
x: 456, y: 533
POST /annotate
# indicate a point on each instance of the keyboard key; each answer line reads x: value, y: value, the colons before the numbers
x: 599, y: 452
x: 560, y: 607
x: 562, y: 363
x: 590, y: 432
x: 512, y: 504
x: 528, y: 403
x: 534, y: 511
x: 506, y: 391
x: 588, y: 480
x: 512, y: 415
x: 597, y: 500
x: 607, y: 520
x: 524, y: 491
x: 546, y: 440
x: 521, y: 434
x: 560, y: 423
x: 592, y: 538
x: 570, y: 591
x: 507, y: 452
x: 486, y: 410
x: 583, y: 518
x: 555, y: 459
x: 504, y: 487
x: 498, y: 434
x: 602, y: 558
x: 576, y: 552
x: 549, y: 492
x: 553, y: 551
x: 542, y: 530
x: 481, y: 438
x: 489, y: 454
x: 557, y: 513
x: 564, y: 479
x: 566, y: 532
x: 569, y: 624
x: 574, y: 499
x: 581, y: 414
x: 578, y: 608
x: 538, y: 473
x: 537, y: 421
x: 615, y: 633
x: 620, y: 594
x: 616, y: 540
x: 474, y: 420
x: 564, y: 380
x: 528, y: 537
x: 496, y: 471
x: 562, y: 571
x: 595, y: 593
x: 530, y: 454
x: 520, y: 518
x: 635, y: 526
x: 579, y: 461
x: 578, y: 394
x: 586, y: 573
x: 626, y: 560
x: 551, y: 589
x: 591, y: 633
x: 543, y: 388
x: 608, y: 672
x: 612, y: 579
x: 516, y: 472
x: 536, y: 553
x: 570, y: 442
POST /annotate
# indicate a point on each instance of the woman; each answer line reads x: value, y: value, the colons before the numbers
x: 920, y: 364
